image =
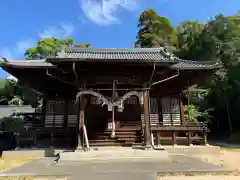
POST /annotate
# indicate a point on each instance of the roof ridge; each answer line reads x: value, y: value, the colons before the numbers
x: 86, y: 53
x: 117, y: 50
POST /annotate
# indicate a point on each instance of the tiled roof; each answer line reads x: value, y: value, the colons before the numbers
x: 186, y: 64
x: 157, y: 55
x: 148, y: 54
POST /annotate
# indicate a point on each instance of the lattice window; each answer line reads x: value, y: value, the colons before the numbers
x: 154, y: 114
x: 72, y: 112
x: 171, y: 111
x: 55, y: 113
x: 50, y: 107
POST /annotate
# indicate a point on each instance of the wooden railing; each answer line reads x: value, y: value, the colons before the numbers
x: 186, y: 126
x: 190, y: 132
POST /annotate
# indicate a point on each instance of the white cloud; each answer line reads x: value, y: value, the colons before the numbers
x: 103, y: 12
x: 17, y: 50
x: 61, y: 31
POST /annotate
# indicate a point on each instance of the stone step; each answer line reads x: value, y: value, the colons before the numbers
x: 114, y: 153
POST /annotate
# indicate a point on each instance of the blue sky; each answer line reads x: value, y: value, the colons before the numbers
x: 103, y: 23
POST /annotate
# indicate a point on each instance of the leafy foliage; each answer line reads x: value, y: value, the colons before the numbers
x: 218, y: 40
x: 50, y: 47
x: 155, y: 30
x: 192, y: 114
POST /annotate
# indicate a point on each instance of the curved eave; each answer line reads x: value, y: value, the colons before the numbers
x: 195, y: 65
x: 27, y: 64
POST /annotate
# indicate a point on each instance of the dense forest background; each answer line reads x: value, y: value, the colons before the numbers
x: 216, y: 101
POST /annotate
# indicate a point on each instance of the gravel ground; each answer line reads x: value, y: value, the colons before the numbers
x: 226, y: 158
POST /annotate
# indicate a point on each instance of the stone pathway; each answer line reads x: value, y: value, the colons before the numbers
x: 142, y: 167
x: 114, y: 169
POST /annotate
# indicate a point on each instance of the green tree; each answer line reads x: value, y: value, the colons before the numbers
x: 217, y: 41
x: 155, y: 30
x: 188, y: 34
x: 50, y: 47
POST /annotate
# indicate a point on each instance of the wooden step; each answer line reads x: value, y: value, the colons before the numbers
x: 101, y: 140
x: 127, y: 129
x: 118, y: 135
x: 107, y: 144
x: 112, y: 144
x: 117, y: 132
x: 107, y: 141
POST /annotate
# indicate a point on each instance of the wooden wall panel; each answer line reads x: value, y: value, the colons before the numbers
x: 55, y: 109
x: 170, y: 111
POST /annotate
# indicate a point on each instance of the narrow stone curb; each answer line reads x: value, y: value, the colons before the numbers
x: 32, y: 175
x: 114, y: 159
x: 201, y: 173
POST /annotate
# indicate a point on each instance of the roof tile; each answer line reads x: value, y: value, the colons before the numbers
x: 155, y: 54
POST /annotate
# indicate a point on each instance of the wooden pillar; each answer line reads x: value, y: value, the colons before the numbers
x: 54, y: 112
x: 17, y: 140
x: 205, y: 139
x: 181, y: 110
x: 147, y: 134
x: 43, y: 110
x: 158, y: 138
x: 171, y: 111
x: 35, y: 139
x: 82, y: 105
x: 174, y: 142
x: 51, y: 139
x: 189, y: 138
